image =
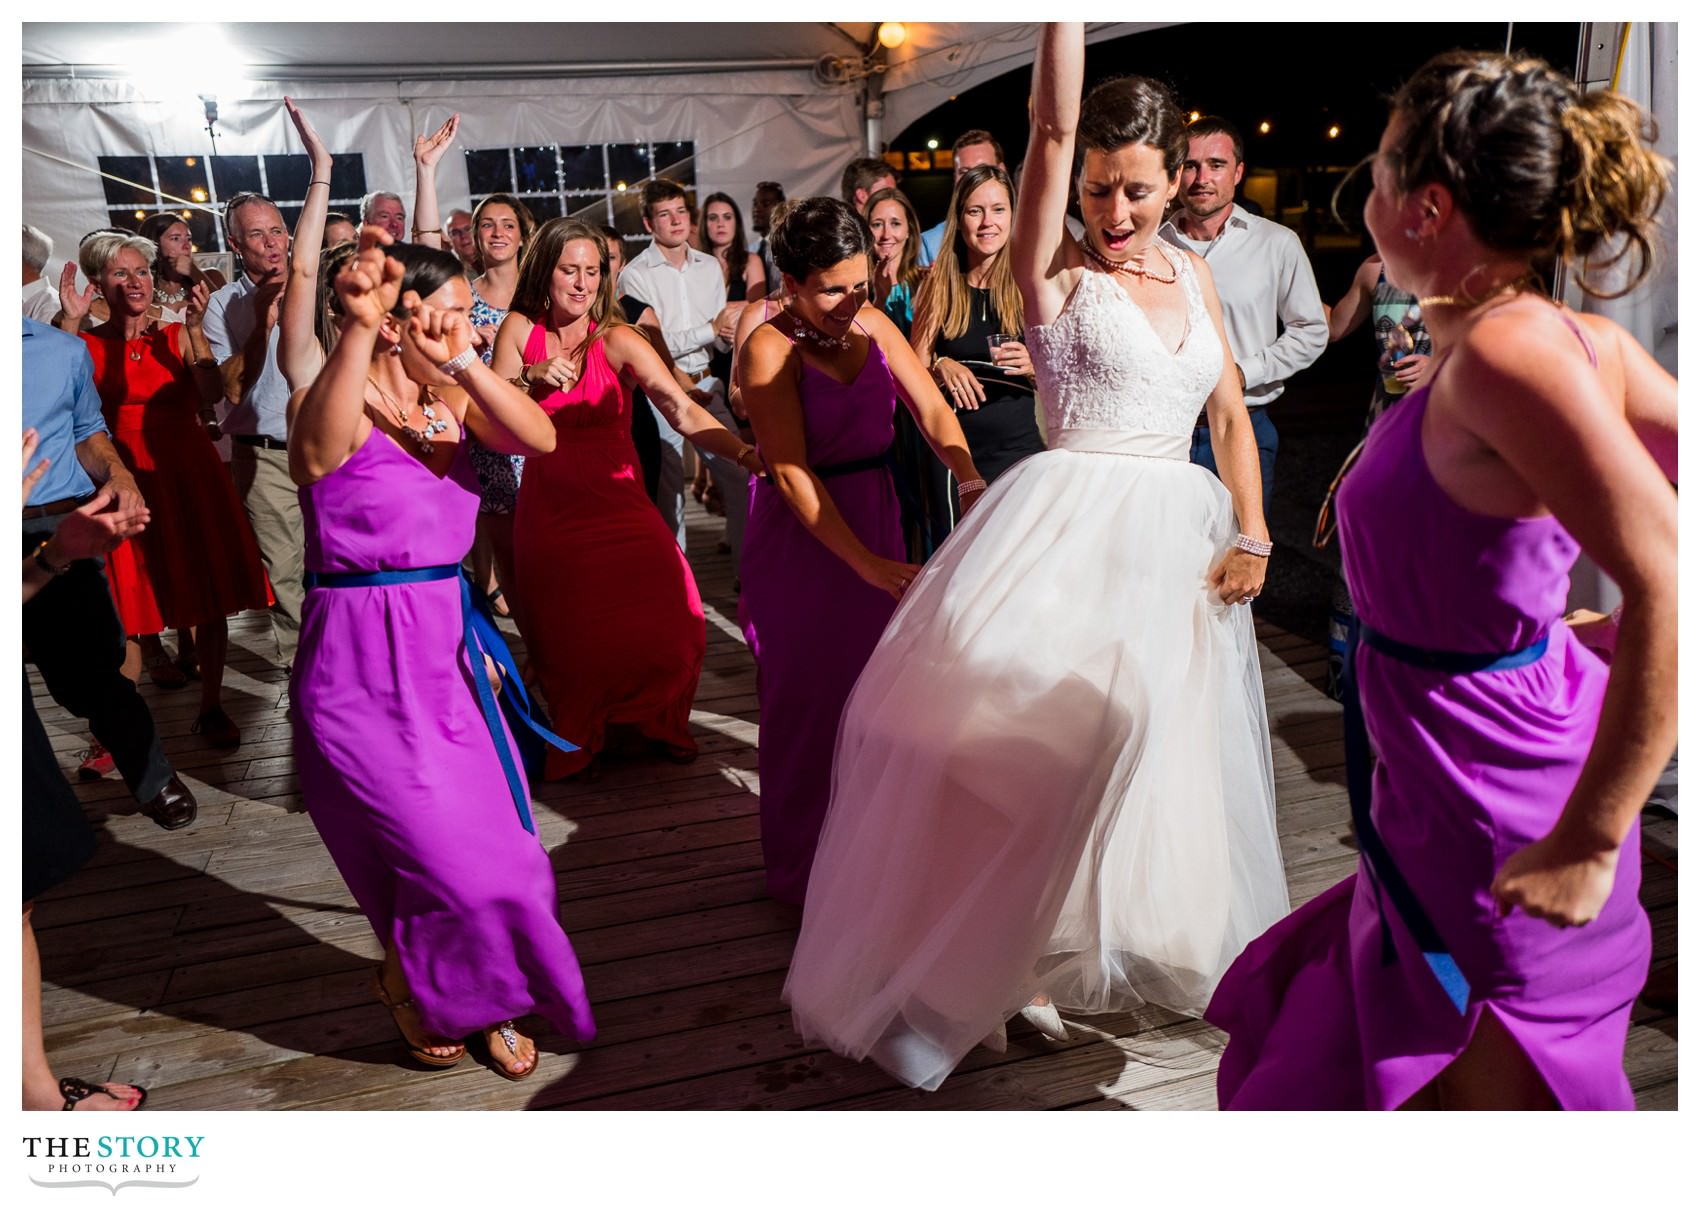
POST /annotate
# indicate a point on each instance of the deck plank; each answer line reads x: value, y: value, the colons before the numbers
x: 227, y: 966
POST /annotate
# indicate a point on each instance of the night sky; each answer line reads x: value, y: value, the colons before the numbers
x: 1300, y: 77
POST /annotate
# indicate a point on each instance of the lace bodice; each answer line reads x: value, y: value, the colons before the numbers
x: 1100, y: 364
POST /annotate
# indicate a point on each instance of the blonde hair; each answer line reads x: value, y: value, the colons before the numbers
x: 909, y: 268
x: 95, y: 253
x: 943, y: 306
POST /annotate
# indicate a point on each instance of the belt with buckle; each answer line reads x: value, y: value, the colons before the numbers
x: 53, y: 508
x: 258, y: 439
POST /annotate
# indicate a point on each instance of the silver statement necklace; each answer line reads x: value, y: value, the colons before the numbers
x: 421, y: 438
x: 812, y: 334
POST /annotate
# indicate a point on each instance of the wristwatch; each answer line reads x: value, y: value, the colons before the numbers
x: 47, y: 565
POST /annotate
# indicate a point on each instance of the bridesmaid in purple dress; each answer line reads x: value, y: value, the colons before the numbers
x: 417, y: 797
x: 823, y: 557
x: 1488, y: 950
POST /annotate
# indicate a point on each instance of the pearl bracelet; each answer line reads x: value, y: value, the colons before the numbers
x: 1256, y: 547
x: 968, y: 486
x: 459, y: 362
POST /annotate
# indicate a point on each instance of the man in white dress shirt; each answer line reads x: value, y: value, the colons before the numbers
x: 241, y: 327
x: 1262, y: 276
x: 971, y: 150
x: 41, y: 300
x: 687, y: 289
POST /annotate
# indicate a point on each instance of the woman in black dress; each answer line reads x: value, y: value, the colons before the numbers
x: 968, y: 329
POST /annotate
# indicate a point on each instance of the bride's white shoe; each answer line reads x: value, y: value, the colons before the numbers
x: 1044, y: 1016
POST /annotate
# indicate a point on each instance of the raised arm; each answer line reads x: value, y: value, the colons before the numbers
x: 1558, y: 429
x: 630, y: 355
x: 497, y: 413
x: 299, y: 354
x: 427, y: 150
x: 1353, y: 308
x: 1235, y: 447
x: 327, y: 420
x: 915, y: 387
x: 1038, y: 246
x: 768, y: 370
x: 197, y: 355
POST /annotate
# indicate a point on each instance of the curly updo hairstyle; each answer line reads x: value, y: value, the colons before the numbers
x: 1535, y: 167
x: 818, y: 233
x: 1133, y: 109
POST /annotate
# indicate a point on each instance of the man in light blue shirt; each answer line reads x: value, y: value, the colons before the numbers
x: 970, y: 150
x: 71, y: 627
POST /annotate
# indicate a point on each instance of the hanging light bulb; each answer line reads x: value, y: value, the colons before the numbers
x: 1333, y: 132
x: 1263, y: 128
x: 892, y: 34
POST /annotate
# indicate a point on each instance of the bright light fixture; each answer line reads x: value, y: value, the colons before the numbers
x: 1193, y: 116
x: 218, y: 68
x: 892, y: 34
x: 1263, y: 128
x: 932, y: 144
x: 1333, y: 132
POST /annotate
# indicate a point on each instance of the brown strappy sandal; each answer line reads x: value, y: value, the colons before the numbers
x: 417, y: 1051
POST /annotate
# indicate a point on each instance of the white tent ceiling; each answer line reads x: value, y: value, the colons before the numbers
x: 747, y: 94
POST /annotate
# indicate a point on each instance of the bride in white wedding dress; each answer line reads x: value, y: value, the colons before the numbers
x: 1053, y: 788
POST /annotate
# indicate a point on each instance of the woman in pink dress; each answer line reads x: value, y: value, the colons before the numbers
x: 614, y: 624
x: 1487, y: 951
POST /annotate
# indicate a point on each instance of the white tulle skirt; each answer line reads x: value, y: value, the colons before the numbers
x: 1053, y: 776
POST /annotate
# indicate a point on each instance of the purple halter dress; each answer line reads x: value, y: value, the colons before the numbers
x: 809, y: 619
x: 1335, y: 1007
x: 398, y: 769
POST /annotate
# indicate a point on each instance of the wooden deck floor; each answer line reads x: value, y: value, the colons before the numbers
x: 226, y: 966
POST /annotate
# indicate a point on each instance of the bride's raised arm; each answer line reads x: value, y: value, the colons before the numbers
x: 1039, y: 247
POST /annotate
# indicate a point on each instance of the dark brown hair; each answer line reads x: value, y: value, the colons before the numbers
x: 660, y: 190
x: 1534, y: 167
x: 973, y: 138
x: 1133, y: 109
x: 737, y: 253
x: 1212, y: 124
x: 527, y: 224
x: 861, y: 174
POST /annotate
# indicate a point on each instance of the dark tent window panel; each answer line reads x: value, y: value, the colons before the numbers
x: 287, y: 176
x: 237, y: 175
x: 599, y: 183
x: 195, y: 187
x: 128, y: 180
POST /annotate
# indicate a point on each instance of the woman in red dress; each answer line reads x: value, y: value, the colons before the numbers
x: 615, y: 625
x: 198, y: 561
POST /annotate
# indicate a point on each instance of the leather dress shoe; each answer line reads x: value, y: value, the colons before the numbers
x: 173, y: 808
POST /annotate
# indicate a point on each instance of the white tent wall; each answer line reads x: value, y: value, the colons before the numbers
x: 747, y: 125
x: 1647, y: 73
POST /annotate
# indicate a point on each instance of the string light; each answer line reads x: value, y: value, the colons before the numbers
x: 1263, y: 128
x: 932, y: 144
x: 1333, y: 132
x: 892, y: 34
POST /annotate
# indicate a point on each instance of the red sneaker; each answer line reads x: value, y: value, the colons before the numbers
x: 96, y: 764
